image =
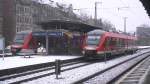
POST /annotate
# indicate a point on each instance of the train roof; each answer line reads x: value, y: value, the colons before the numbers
x: 111, y: 34
x: 26, y: 31
x: 119, y: 35
x: 38, y: 31
x: 68, y: 25
x: 96, y: 32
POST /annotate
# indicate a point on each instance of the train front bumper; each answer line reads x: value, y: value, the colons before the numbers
x: 90, y: 52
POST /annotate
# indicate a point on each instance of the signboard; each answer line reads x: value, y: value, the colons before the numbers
x: 55, y: 34
x: 39, y: 34
x: 2, y: 44
x: 49, y: 33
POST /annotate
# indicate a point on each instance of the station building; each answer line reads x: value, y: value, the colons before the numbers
x: 1, y: 17
x: 143, y: 36
x: 21, y: 15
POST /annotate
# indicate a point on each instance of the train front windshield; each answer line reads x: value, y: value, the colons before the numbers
x: 92, y: 40
x: 19, y: 39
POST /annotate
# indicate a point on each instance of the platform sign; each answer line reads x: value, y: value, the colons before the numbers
x: 48, y: 33
x: 55, y: 34
x: 2, y: 46
x: 39, y: 33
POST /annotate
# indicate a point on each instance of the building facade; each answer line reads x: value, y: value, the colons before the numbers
x: 9, y: 22
x: 23, y: 15
x: 1, y: 17
x: 143, y: 36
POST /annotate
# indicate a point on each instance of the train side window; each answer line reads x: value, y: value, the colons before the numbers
x: 123, y: 42
x: 111, y: 41
x: 107, y: 43
x: 119, y: 42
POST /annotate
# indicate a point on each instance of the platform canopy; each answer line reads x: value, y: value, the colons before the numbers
x: 68, y: 25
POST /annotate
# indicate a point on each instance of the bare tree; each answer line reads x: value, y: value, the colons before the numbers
x: 107, y: 25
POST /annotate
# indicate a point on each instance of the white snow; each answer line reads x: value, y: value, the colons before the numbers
x: 19, y: 61
x: 37, y: 74
x: 143, y: 47
x: 68, y: 77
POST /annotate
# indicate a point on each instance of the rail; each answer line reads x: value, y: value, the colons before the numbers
x: 49, y: 70
x: 102, y: 72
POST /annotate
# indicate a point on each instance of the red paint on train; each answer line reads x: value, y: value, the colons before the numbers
x: 99, y: 42
x: 60, y: 41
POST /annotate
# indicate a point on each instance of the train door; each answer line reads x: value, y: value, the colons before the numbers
x: 107, y: 44
x: 112, y: 43
x: 118, y: 43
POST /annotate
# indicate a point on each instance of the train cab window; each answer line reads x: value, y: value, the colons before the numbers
x: 112, y: 41
x: 19, y: 39
x: 123, y: 43
x: 93, y: 40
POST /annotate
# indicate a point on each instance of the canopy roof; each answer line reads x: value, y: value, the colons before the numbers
x: 68, y: 25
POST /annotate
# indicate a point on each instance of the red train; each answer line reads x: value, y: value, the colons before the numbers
x: 58, y: 41
x: 100, y: 43
x: 96, y: 43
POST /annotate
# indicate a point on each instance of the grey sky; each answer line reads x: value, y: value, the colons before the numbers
x: 108, y: 10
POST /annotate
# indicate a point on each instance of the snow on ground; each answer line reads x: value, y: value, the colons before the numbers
x: 71, y: 76
x: 143, y: 47
x: 19, y: 61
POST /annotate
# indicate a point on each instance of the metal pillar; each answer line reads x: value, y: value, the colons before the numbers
x: 57, y: 67
x: 47, y: 47
x: 95, y: 17
x: 125, y: 19
x: 95, y: 13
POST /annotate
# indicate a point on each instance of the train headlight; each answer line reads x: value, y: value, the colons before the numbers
x: 100, y: 52
x: 13, y: 49
x: 83, y: 52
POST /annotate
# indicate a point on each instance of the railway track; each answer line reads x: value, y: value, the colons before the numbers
x: 137, y: 75
x: 110, y: 74
x: 33, y: 67
x: 25, y: 76
x: 103, y: 76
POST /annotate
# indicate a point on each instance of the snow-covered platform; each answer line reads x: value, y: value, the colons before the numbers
x: 143, y: 47
x: 20, y: 61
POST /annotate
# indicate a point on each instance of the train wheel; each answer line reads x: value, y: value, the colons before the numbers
x: 108, y: 56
